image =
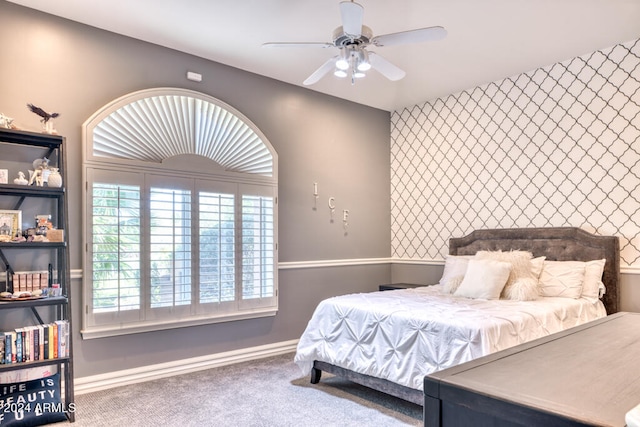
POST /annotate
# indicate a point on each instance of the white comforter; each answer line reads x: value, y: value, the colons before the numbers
x: 403, y: 335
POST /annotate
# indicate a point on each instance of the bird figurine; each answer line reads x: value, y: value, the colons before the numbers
x: 6, y: 122
x: 48, y: 126
x: 39, y: 111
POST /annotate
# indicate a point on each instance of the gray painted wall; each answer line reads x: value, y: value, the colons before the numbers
x: 74, y: 69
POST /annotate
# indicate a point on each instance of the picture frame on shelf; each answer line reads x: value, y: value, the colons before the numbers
x: 10, y: 223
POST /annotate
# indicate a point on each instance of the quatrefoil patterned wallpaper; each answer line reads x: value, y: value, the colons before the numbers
x: 558, y: 146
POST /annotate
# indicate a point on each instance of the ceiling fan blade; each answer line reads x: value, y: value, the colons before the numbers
x: 352, y: 15
x: 320, y: 72
x: 411, y: 36
x: 297, y: 44
x: 385, y: 67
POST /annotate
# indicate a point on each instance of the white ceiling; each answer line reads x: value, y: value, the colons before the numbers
x: 487, y: 40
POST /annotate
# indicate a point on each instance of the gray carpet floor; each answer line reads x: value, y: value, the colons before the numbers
x: 267, y: 392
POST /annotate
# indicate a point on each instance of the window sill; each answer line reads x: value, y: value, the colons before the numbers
x: 127, y: 329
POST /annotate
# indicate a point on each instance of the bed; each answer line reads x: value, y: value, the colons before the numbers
x: 390, y: 340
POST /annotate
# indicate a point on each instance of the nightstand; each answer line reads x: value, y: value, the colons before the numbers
x: 393, y: 286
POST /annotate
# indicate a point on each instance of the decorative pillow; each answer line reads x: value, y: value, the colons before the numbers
x: 536, y: 266
x: 452, y: 284
x: 593, y: 286
x: 521, y: 285
x: 484, y: 279
x: 38, y: 399
x: 525, y: 289
x: 562, y: 279
x: 454, y: 266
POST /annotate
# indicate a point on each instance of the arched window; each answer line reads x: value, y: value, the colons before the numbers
x: 181, y: 214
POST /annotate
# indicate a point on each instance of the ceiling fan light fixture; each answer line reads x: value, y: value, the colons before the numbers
x: 364, y: 66
x: 363, y: 60
x: 342, y: 64
x: 343, y: 61
x: 352, y: 39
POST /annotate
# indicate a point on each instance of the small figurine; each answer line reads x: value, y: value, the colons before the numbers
x: 6, y: 122
x: 48, y: 126
x: 42, y: 163
x: 36, y: 176
x: 5, y: 233
x: 19, y: 238
x: 5, y: 229
x: 20, y: 180
x: 43, y: 224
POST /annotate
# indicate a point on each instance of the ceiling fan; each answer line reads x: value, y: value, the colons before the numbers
x: 352, y: 39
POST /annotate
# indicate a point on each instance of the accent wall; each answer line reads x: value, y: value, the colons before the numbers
x: 557, y: 146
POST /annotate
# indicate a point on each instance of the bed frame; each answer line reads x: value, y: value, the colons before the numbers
x: 557, y: 244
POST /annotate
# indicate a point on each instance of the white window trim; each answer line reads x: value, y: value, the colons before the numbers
x: 191, y: 119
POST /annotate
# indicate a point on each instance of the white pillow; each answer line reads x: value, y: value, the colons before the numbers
x: 593, y: 286
x: 451, y: 285
x: 536, y: 267
x: 484, y: 279
x: 454, y: 267
x: 562, y: 279
x: 526, y: 288
x: 522, y: 285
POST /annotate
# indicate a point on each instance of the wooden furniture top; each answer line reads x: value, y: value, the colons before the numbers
x: 589, y: 373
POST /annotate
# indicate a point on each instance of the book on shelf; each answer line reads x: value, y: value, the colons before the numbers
x: 7, y: 347
x: 63, y: 337
x: 41, y: 342
x: 54, y: 343
x: 28, y: 331
x: 10, y: 347
x: 50, y: 334
x: 45, y: 339
x: 19, y: 345
x: 34, y: 343
x: 14, y: 339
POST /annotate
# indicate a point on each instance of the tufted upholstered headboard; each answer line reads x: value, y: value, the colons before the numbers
x: 557, y: 244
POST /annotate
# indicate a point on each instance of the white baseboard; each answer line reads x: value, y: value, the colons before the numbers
x: 162, y: 370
